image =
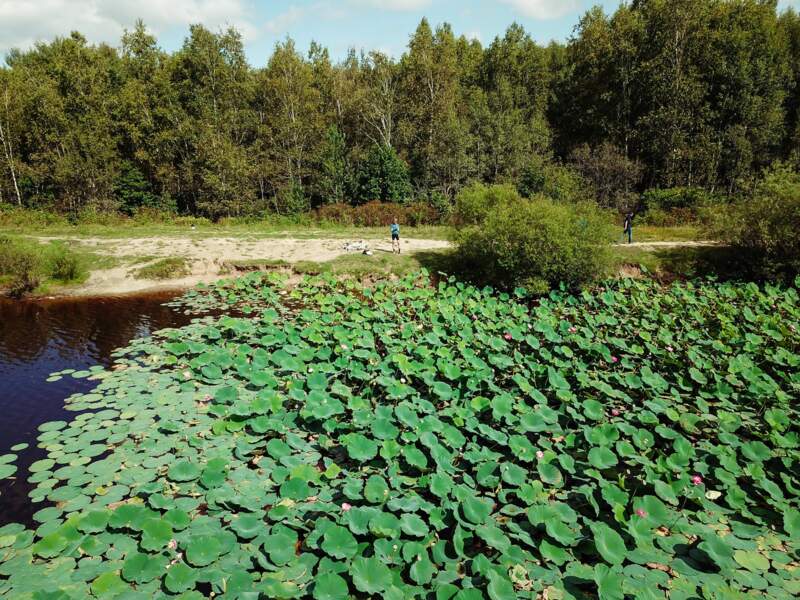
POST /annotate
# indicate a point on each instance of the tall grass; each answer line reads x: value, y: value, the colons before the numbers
x: 25, y: 265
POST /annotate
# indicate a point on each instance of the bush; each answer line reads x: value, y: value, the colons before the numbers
x: 612, y: 174
x: 554, y: 180
x: 421, y: 213
x: 292, y: 200
x: 669, y: 207
x: 63, y: 265
x: 166, y: 268
x: 475, y: 202
x: 26, y: 264
x: 765, y: 226
x: 14, y: 216
x: 506, y: 241
x: 378, y: 214
x: 20, y: 266
x: 338, y: 213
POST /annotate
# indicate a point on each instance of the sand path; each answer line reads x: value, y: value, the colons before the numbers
x: 209, y: 258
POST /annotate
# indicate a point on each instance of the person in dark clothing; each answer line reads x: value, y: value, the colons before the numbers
x: 395, y: 231
x: 627, y: 227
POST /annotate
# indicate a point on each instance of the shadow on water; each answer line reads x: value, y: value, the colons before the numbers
x: 43, y: 336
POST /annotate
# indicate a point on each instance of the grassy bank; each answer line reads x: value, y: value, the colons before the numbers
x: 40, y: 223
x: 165, y: 268
x: 30, y: 222
x: 28, y: 266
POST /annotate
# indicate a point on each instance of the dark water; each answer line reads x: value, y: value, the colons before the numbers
x: 40, y: 337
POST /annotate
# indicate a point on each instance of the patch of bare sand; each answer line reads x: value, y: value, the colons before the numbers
x: 208, y: 257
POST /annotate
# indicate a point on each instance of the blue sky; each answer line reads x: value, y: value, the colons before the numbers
x: 337, y: 24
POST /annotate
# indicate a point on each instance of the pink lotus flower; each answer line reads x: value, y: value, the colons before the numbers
x: 508, y: 337
x: 615, y: 412
x: 474, y: 318
x: 573, y: 329
x: 346, y: 507
x: 344, y: 346
x: 697, y: 480
x: 539, y: 454
x: 793, y: 328
x: 641, y: 513
x: 670, y: 349
x: 614, y: 359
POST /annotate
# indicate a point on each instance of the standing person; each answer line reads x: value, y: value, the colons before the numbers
x: 395, y: 229
x: 627, y: 227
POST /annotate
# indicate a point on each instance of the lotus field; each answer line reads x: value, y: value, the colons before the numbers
x: 407, y: 441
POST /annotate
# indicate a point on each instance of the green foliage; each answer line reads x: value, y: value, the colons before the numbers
x: 663, y: 94
x: 292, y: 200
x: 765, y: 226
x: 508, y: 241
x: 678, y: 206
x: 382, y: 175
x: 20, y: 265
x: 475, y: 203
x: 556, y: 181
x: 612, y: 176
x: 408, y: 441
x: 24, y: 265
x: 133, y: 190
x: 676, y: 86
x: 335, y: 178
x: 165, y: 268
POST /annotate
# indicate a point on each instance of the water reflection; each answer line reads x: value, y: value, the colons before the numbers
x: 40, y: 337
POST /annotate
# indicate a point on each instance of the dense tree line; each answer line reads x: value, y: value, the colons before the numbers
x: 662, y: 93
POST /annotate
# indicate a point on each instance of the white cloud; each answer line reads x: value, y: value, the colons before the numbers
x: 24, y: 22
x: 283, y: 22
x: 545, y: 9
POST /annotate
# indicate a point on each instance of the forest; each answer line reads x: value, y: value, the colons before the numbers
x: 698, y: 96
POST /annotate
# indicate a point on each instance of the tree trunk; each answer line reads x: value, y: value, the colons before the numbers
x: 8, y: 150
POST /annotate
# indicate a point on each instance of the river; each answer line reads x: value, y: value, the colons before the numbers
x: 39, y: 337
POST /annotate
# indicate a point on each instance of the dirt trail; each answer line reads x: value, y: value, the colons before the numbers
x: 676, y: 244
x: 208, y: 257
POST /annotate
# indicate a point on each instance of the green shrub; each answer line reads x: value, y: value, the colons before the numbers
x: 133, y: 190
x: 63, y: 265
x: 507, y: 241
x: 20, y: 266
x: 14, y: 216
x: 554, y: 180
x: 475, y: 202
x: 378, y: 214
x: 292, y: 200
x: 766, y: 226
x: 670, y: 207
x: 166, y: 268
x: 611, y: 174
x: 25, y: 264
